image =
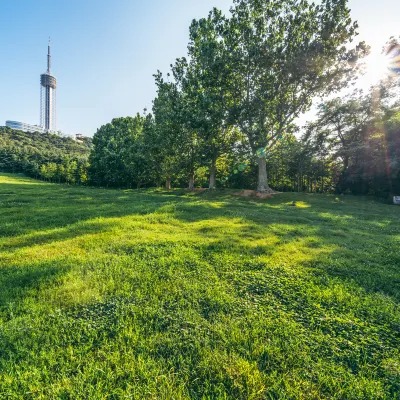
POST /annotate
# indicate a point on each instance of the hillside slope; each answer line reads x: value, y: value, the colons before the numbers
x: 169, y: 295
x: 45, y: 156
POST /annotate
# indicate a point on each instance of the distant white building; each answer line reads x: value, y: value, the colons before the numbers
x: 22, y: 126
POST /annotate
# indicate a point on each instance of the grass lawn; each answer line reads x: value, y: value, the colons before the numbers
x: 113, y: 294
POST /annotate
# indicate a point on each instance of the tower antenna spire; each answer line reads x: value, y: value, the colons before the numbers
x: 48, y: 57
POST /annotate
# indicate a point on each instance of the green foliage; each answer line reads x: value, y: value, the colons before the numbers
x: 46, y: 156
x: 375, y: 162
x: 204, y: 83
x: 173, y: 295
x: 250, y: 75
x: 118, y: 157
x: 361, y: 135
x: 281, y: 54
x: 174, y: 143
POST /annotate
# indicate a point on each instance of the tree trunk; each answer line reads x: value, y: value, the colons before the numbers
x: 262, y: 176
x: 213, y: 171
x: 168, y: 183
x: 139, y: 184
x: 346, y: 162
x: 191, y: 181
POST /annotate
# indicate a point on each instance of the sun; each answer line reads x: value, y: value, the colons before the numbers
x: 376, y: 69
x: 378, y: 66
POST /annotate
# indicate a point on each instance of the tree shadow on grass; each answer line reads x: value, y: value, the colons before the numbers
x: 16, y: 283
x: 68, y: 232
x: 25, y: 212
x: 70, y: 212
x: 362, y: 248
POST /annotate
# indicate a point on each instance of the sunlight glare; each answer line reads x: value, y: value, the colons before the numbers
x: 377, y: 68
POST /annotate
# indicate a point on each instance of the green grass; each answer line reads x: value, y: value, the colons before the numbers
x: 112, y: 294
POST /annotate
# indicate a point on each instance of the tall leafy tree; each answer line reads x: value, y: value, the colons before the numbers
x: 283, y: 53
x: 340, y: 123
x: 165, y: 131
x: 176, y: 119
x: 207, y: 89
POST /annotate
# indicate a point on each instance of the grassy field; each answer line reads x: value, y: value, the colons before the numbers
x: 113, y: 294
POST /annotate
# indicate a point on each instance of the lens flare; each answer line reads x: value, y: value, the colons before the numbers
x: 380, y: 66
x: 377, y: 68
x: 393, y: 54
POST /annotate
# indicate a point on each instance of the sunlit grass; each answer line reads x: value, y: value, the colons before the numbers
x: 169, y: 295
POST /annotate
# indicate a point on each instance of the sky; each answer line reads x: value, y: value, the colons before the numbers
x: 105, y: 52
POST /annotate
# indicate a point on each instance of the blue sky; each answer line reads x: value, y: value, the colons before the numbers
x: 104, y: 52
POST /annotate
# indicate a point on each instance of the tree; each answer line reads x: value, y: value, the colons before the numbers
x: 340, y: 124
x: 174, y: 126
x: 281, y: 55
x: 164, y: 131
x: 43, y: 172
x: 117, y: 156
x: 83, y: 172
x: 61, y: 175
x: 207, y: 90
x: 360, y: 136
x: 71, y: 170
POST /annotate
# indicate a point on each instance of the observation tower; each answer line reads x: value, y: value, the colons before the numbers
x: 48, y: 87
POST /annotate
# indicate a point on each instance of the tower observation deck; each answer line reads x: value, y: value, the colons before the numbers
x: 48, y: 88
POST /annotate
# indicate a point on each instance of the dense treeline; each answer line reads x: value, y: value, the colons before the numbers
x: 352, y: 147
x: 225, y: 114
x: 44, y: 156
x: 127, y: 153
